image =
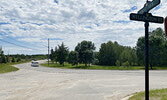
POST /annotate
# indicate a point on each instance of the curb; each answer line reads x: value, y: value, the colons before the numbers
x: 127, y: 97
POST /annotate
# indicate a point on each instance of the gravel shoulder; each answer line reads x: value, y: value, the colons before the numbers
x: 43, y: 83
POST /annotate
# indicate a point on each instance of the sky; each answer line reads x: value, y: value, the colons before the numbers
x: 26, y: 25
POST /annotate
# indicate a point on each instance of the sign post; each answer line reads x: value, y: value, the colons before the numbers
x: 165, y: 26
x: 146, y: 61
x: 146, y: 17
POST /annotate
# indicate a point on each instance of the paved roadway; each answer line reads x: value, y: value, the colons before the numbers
x: 42, y: 83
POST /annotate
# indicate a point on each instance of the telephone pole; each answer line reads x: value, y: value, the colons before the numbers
x: 48, y: 51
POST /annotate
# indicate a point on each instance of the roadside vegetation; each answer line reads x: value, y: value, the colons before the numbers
x: 159, y: 94
x: 6, y: 61
x: 112, y: 55
x: 82, y: 66
x: 4, y: 68
x: 98, y: 67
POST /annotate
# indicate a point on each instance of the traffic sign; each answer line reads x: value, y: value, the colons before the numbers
x: 148, y: 6
x: 166, y: 26
x: 146, y: 18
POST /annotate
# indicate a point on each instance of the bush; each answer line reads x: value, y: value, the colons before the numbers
x: 125, y: 64
x: 118, y: 63
x: 13, y: 59
x: 18, y: 59
x: 95, y: 62
x: 4, y: 59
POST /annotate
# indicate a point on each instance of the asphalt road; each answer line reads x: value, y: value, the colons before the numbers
x: 42, y: 83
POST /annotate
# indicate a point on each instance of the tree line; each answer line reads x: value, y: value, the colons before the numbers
x: 83, y: 53
x: 109, y: 54
x: 19, y: 57
x: 114, y: 54
x: 157, y: 48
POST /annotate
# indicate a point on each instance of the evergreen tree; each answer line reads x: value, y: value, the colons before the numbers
x: 52, y: 57
x: 62, y: 54
x: 56, y: 54
x: 107, y: 54
x: 3, y: 58
x: 73, y: 58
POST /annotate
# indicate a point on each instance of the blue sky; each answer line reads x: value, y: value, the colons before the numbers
x: 29, y: 23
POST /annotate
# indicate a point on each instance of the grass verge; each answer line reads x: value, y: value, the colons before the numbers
x: 4, y: 68
x: 159, y: 94
x: 82, y: 66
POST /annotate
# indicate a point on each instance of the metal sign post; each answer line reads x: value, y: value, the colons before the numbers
x: 146, y: 17
x: 146, y: 61
x: 165, y: 26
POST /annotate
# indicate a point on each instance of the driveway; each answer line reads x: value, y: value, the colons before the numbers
x: 42, y: 83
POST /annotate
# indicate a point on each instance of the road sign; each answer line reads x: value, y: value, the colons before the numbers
x: 148, y: 6
x: 166, y: 26
x: 143, y: 15
x: 146, y: 18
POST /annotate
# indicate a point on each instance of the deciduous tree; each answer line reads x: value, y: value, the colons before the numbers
x: 85, y: 50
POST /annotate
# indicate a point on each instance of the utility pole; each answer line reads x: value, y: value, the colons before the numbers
x: 48, y: 51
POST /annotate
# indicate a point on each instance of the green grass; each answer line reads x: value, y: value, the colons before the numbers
x: 82, y: 66
x: 100, y: 67
x: 4, y: 68
x: 159, y: 68
x: 159, y: 94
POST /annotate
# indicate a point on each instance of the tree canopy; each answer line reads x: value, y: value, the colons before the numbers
x: 85, y: 50
x: 157, y: 48
x: 114, y: 54
x: 62, y: 53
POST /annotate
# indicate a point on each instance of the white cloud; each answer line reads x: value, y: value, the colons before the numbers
x: 74, y: 20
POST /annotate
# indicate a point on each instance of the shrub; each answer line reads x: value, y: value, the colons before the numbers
x: 13, y: 59
x: 118, y: 63
x: 18, y: 59
x: 4, y: 59
x: 95, y: 62
x: 125, y: 64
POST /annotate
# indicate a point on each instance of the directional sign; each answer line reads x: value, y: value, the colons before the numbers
x: 146, y: 18
x: 148, y: 6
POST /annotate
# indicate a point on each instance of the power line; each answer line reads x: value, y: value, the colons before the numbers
x: 19, y: 45
x: 19, y: 42
x: 7, y: 36
x: 43, y: 45
x: 14, y: 44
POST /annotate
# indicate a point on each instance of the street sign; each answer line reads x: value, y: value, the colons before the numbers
x: 148, y: 6
x: 143, y: 15
x: 146, y: 18
x: 166, y: 26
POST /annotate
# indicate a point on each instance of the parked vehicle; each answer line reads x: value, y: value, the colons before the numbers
x: 35, y: 63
